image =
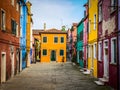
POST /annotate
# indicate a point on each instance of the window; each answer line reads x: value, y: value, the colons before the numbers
x: 44, y: 39
x: 17, y: 6
x: 81, y: 35
x: 113, y: 50
x: 44, y: 52
x: 2, y: 20
x: 62, y: 40
x: 100, y: 12
x: 95, y: 51
x: 95, y: 21
x: 55, y: 39
x: 113, y: 5
x: 100, y: 51
x: 13, y: 27
x: 89, y: 53
x: 61, y: 52
x: 12, y: 2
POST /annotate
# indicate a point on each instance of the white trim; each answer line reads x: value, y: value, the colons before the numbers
x: 3, y: 67
x: 95, y: 50
x: 112, y: 50
x: 100, y: 51
x: 63, y: 40
x: 54, y: 39
x: 43, y: 37
x: 4, y: 17
x: 12, y: 2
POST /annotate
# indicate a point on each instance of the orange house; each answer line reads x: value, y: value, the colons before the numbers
x: 53, y: 45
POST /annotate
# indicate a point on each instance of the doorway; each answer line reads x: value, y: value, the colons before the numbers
x: 12, y: 64
x: 3, y: 67
x: 53, y: 55
x: 106, y: 61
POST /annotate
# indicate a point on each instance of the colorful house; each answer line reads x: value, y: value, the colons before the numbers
x: 53, y: 45
x: 119, y: 44
x: 92, y: 37
x: 85, y: 38
x: 107, y: 42
x: 9, y: 39
x: 23, y: 23
x: 73, y: 41
x: 79, y: 44
x: 29, y: 34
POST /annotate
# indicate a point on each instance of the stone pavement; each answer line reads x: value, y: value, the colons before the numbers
x: 51, y: 76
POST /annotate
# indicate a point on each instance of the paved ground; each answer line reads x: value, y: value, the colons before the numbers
x: 51, y: 76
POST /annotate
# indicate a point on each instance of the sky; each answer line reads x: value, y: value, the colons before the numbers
x: 56, y: 13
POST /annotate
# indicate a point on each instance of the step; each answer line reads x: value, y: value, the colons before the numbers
x: 99, y: 83
x: 103, y: 79
x: 87, y: 72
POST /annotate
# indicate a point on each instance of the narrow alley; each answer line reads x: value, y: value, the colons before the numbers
x: 52, y: 76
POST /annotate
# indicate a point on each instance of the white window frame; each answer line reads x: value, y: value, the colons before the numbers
x: 13, y: 2
x: 112, y: 50
x: 100, y: 51
x: 113, y: 5
x: 3, y: 20
x: 63, y: 40
x: 17, y: 6
x: 89, y: 51
x: 100, y: 12
x: 95, y: 50
x: 95, y: 18
x: 46, y: 53
x: 54, y: 39
x: 43, y: 40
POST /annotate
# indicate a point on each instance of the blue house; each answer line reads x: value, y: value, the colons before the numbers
x: 23, y: 21
x: 79, y: 44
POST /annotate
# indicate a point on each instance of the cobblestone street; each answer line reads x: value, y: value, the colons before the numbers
x: 51, y: 76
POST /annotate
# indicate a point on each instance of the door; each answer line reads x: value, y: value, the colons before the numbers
x: 3, y: 67
x: 12, y: 64
x: 53, y: 55
x: 106, y: 61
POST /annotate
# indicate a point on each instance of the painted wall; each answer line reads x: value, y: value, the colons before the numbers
x: 23, y: 22
x: 9, y: 43
x: 92, y: 36
x: 80, y: 28
x: 50, y: 45
x: 107, y: 29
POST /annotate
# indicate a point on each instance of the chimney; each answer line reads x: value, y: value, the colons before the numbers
x: 44, y: 26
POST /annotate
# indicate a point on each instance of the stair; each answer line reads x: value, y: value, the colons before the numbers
x: 101, y: 81
x: 87, y: 72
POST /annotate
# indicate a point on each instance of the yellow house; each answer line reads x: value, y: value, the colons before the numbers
x: 53, y: 45
x: 28, y: 32
x: 92, y: 37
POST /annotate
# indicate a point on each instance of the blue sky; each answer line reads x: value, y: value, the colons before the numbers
x: 56, y: 13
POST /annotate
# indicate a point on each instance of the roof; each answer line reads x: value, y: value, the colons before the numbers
x: 49, y: 31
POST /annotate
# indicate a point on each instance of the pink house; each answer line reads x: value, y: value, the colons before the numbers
x: 85, y: 38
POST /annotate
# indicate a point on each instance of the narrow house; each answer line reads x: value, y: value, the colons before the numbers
x: 107, y: 42
x: 9, y: 39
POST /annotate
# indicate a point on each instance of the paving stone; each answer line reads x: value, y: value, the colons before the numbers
x: 52, y: 76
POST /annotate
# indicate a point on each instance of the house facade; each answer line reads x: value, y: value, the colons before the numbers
x: 53, y: 45
x: 9, y: 39
x: 29, y: 34
x: 79, y: 44
x: 23, y: 23
x: 107, y: 42
x: 92, y: 37
x: 85, y: 38
x: 119, y: 44
x: 73, y: 41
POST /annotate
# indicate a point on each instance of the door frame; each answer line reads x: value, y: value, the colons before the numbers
x: 3, y: 67
x: 12, y: 64
x: 106, y: 59
x: 51, y: 55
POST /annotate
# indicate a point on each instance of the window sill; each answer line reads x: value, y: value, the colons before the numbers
x: 113, y: 63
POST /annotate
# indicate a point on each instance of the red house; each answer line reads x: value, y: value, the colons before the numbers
x: 107, y: 42
x: 9, y: 38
